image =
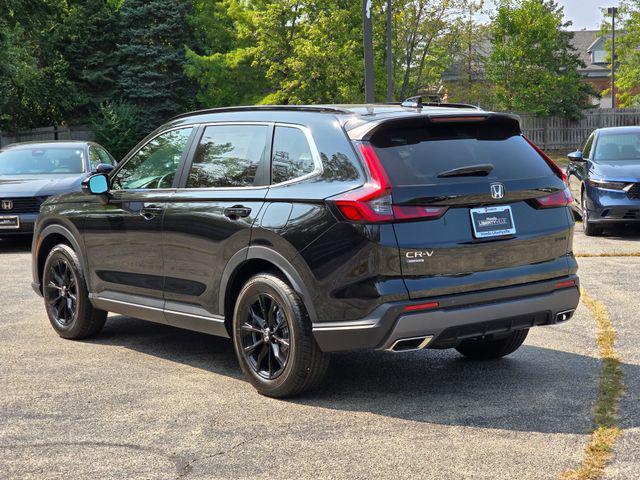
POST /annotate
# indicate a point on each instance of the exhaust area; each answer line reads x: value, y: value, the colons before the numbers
x: 410, y: 344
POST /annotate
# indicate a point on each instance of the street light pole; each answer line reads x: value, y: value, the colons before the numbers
x: 612, y: 11
x: 369, y: 95
x: 389, y: 53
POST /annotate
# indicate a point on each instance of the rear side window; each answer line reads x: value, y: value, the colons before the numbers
x: 416, y: 154
x: 292, y: 156
x: 228, y: 156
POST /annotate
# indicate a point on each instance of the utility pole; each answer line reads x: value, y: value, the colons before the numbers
x: 389, y: 53
x: 612, y: 11
x: 369, y: 92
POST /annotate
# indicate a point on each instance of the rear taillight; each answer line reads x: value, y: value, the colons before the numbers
x: 373, y: 203
x: 553, y: 165
x: 561, y: 198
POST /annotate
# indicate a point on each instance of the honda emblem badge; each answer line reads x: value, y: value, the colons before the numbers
x: 7, y: 204
x: 497, y: 190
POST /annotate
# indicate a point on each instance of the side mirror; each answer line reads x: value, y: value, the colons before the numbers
x: 103, y: 168
x: 97, y: 184
x: 575, y: 156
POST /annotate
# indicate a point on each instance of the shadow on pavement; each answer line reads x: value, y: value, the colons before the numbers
x: 15, y: 245
x: 626, y: 232
x: 534, y: 390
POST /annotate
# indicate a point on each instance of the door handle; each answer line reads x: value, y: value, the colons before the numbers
x: 237, y: 211
x: 149, y: 212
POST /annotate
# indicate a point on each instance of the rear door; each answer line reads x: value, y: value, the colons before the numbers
x: 209, y: 218
x: 482, y: 208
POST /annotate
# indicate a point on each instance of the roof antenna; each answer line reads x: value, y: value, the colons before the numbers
x: 412, y: 102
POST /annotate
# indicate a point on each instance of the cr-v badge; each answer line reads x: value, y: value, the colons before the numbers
x: 417, y: 256
x: 497, y: 190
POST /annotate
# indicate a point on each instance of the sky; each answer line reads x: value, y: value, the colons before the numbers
x: 585, y: 13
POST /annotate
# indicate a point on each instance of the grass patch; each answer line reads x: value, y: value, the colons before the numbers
x: 605, y: 410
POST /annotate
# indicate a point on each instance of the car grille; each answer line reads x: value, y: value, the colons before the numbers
x: 634, y: 191
x: 21, y: 205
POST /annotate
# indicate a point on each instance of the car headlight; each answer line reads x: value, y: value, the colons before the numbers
x: 608, y: 185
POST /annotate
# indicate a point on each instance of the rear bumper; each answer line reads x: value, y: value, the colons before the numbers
x: 458, y: 317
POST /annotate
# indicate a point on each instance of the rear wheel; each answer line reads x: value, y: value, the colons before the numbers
x: 488, y: 348
x: 273, y: 340
x: 589, y: 228
x: 66, y: 298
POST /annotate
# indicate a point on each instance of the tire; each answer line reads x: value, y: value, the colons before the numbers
x: 590, y: 230
x: 487, y: 349
x: 62, y: 280
x: 286, y: 360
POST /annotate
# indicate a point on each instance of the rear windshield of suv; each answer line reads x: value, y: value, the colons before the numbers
x: 416, y: 154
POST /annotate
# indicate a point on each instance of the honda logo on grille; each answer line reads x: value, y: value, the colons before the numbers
x: 497, y: 190
x: 7, y: 205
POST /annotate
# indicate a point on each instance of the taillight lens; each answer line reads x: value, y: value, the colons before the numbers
x: 561, y: 198
x: 373, y: 203
x: 553, y: 165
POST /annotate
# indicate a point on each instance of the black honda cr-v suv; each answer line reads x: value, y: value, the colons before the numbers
x: 298, y: 231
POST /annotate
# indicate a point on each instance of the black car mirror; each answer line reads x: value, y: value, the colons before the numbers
x: 103, y: 168
x: 575, y: 156
x: 97, y: 184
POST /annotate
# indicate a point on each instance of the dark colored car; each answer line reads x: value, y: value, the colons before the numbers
x: 299, y: 231
x: 31, y: 172
x: 604, y: 178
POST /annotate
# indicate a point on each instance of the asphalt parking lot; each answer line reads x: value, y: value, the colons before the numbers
x: 150, y: 401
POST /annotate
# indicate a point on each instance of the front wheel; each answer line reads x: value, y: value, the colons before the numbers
x: 488, y: 348
x: 590, y: 230
x: 273, y: 339
x: 66, y: 298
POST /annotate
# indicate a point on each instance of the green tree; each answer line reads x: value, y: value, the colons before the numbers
x: 533, y: 65
x: 154, y: 36
x: 87, y: 38
x: 222, y: 61
x: 34, y: 84
x: 471, y: 47
x: 627, y: 53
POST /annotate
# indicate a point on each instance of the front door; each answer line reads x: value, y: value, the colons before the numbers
x: 123, y: 238
x: 209, y: 219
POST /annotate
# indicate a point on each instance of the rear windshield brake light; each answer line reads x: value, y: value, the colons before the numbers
x: 458, y: 119
x: 373, y: 203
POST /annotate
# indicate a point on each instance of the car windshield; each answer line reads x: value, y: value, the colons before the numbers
x: 41, y: 161
x: 618, y: 146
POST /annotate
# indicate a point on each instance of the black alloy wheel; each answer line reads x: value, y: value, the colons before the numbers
x: 66, y: 298
x: 265, y: 336
x: 61, y: 292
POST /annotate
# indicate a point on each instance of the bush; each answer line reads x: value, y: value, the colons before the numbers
x: 117, y: 127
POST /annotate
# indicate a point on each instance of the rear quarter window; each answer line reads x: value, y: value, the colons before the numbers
x: 416, y: 154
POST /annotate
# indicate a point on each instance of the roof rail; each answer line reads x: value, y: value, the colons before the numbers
x: 247, y: 108
x: 416, y: 102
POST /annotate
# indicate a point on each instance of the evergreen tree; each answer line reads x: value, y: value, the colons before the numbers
x: 154, y: 36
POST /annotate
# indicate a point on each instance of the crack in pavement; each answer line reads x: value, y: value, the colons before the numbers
x: 187, y: 467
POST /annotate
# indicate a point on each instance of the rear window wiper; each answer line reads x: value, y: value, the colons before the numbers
x: 469, y: 171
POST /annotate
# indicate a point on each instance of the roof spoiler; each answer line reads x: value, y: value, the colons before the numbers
x: 416, y: 102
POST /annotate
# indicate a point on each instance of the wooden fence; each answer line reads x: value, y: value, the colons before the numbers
x: 554, y: 133
x: 45, y: 134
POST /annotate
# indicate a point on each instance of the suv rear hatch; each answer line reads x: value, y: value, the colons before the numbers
x: 473, y: 204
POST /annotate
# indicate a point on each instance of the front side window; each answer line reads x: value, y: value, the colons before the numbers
x: 154, y: 165
x: 228, y: 156
x: 586, y: 151
x: 94, y: 158
x: 104, y: 156
x: 292, y: 156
